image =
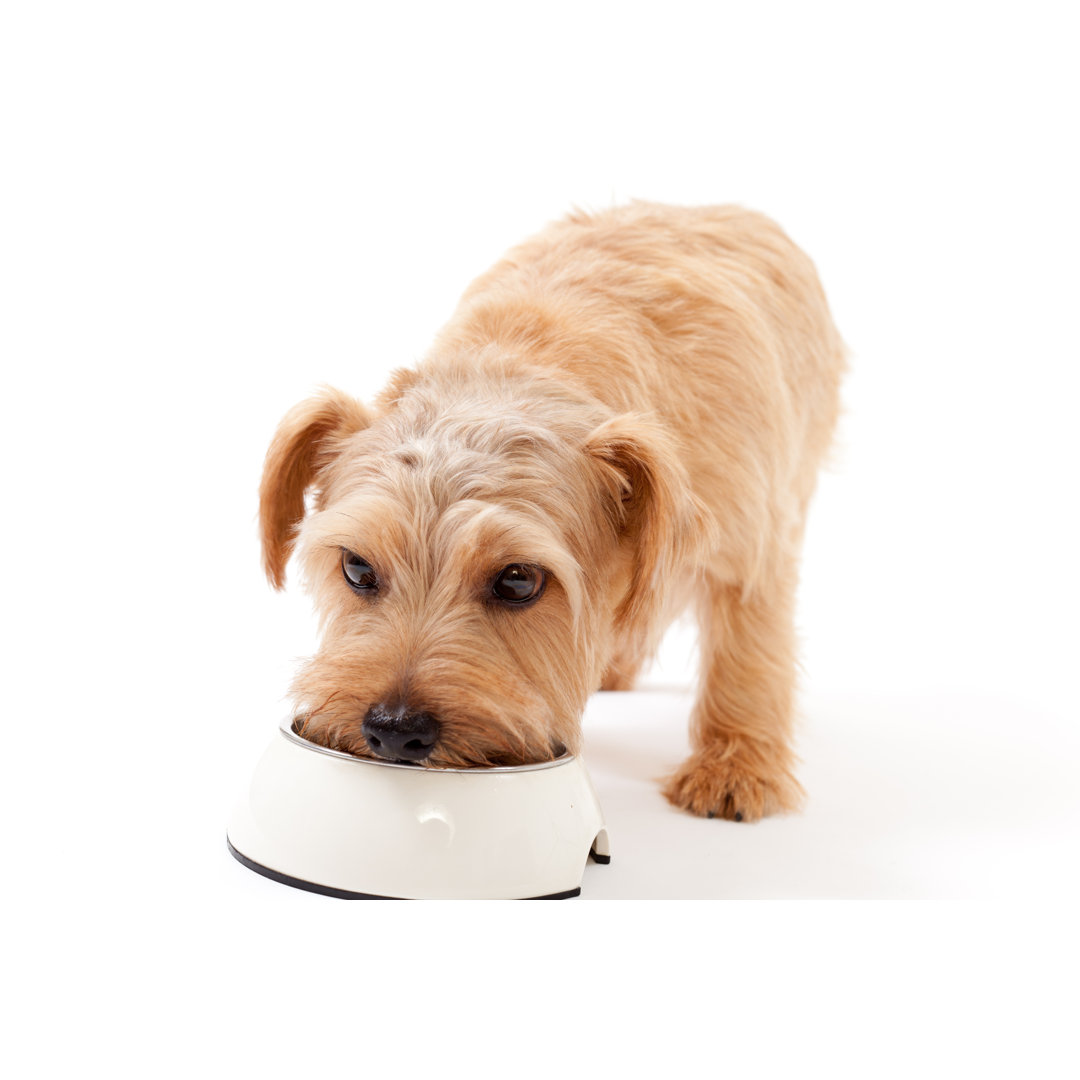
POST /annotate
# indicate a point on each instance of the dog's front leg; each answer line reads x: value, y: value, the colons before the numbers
x: 741, y: 765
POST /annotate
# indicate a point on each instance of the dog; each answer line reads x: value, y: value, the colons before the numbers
x: 623, y: 419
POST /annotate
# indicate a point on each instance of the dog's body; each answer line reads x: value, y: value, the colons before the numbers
x: 625, y: 416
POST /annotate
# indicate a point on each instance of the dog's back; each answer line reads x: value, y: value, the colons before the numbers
x: 709, y: 319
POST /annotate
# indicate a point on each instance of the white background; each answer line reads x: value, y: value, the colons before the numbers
x: 209, y: 209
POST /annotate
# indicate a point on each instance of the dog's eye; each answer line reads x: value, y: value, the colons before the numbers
x: 517, y: 584
x: 358, y: 573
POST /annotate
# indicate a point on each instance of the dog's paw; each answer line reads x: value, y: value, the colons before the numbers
x: 712, y: 784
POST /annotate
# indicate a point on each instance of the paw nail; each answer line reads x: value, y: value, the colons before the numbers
x: 738, y: 815
x: 711, y: 814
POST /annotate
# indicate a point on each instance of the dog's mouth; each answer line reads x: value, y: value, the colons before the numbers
x: 356, y: 746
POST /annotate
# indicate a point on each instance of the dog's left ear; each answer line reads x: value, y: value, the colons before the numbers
x: 652, y: 507
x: 307, y: 440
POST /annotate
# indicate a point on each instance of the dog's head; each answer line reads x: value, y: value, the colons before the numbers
x: 476, y: 553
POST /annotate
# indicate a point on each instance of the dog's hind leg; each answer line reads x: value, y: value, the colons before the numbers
x: 741, y: 765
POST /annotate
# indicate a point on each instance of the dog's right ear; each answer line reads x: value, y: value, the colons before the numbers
x: 306, y: 441
x: 653, y: 510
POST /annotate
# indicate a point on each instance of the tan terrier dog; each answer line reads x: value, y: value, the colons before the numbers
x: 623, y: 418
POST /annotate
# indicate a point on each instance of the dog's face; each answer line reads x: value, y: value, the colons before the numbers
x: 472, y: 563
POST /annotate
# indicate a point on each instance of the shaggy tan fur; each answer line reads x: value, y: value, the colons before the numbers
x: 636, y: 401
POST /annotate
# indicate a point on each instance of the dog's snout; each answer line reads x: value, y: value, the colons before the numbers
x: 401, y: 733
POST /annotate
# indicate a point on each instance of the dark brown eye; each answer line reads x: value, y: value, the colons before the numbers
x: 518, y: 584
x: 358, y: 573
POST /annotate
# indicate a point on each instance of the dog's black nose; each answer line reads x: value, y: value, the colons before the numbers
x: 400, y: 734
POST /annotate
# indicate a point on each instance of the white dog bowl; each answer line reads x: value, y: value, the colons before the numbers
x: 345, y: 826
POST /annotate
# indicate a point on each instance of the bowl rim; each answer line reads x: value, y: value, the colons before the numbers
x: 289, y: 732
